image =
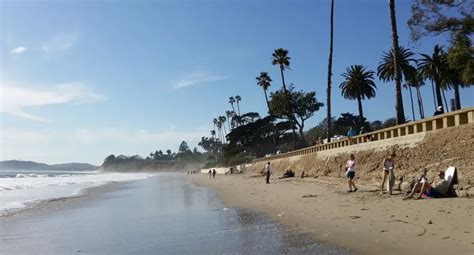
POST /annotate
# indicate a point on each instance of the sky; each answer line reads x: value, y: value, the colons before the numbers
x: 80, y: 80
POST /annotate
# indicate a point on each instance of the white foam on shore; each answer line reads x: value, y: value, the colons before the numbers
x: 25, y: 190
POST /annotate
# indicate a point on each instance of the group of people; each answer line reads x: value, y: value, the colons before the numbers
x: 212, y: 173
x: 437, y: 188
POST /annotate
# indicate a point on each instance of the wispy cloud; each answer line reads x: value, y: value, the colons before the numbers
x: 18, y: 50
x: 198, y: 78
x: 16, y: 98
x: 59, y: 42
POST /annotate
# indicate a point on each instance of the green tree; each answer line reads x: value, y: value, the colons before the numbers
x: 183, y: 147
x: 461, y: 65
x: 304, y: 105
x: 434, y: 68
x: 435, y: 17
x: 280, y: 57
x: 359, y: 84
x: 397, y: 74
x: 415, y: 80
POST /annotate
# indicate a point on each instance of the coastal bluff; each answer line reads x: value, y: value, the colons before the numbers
x: 434, y: 151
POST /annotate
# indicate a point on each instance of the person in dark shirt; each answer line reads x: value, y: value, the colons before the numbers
x: 439, y: 111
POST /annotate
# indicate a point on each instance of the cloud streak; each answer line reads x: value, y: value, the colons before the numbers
x: 16, y: 98
x: 198, y: 78
x: 18, y: 50
x: 59, y: 42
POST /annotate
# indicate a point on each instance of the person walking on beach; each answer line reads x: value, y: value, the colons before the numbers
x: 388, y: 167
x: 267, y: 171
x: 210, y: 173
x: 214, y: 173
x: 350, y: 173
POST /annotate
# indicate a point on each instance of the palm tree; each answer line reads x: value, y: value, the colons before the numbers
x: 222, y: 120
x: 359, y: 84
x: 216, y: 124
x: 229, y: 115
x: 386, y: 68
x: 414, y: 80
x: 237, y: 100
x: 398, y: 86
x: 454, y: 79
x: 434, y: 68
x: 328, y: 89
x: 264, y: 81
x: 280, y: 58
x: 231, y: 102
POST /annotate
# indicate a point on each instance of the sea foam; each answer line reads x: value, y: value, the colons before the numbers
x: 25, y: 190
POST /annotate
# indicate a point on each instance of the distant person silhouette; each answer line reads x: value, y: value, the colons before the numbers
x: 214, y: 173
x: 267, y: 171
x: 438, y: 111
x: 210, y: 174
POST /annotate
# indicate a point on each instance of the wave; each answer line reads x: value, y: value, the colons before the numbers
x: 24, y: 190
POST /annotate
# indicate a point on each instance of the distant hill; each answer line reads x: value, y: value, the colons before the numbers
x: 30, y: 165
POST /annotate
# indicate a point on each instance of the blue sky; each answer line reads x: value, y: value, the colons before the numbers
x: 84, y: 79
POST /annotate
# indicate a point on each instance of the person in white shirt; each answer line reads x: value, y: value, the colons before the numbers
x: 350, y: 173
x: 267, y: 172
x: 388, y: 167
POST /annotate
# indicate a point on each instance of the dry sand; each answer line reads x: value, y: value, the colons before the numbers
x: 364, y: 221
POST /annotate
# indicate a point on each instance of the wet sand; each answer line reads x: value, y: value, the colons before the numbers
x: 364, y: 221
x: 160, y: 215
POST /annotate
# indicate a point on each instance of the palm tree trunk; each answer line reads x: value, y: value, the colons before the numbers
x: 288, y: 99
x: 457, y: 98
x: 398, y: 86
x: 361, y: 113
x: 328, y: 88
x: 412, y: 107
x: 420, y: 103
x: 238, y: 108
x: 273, y: 125
x: 445, y: 102
x: 439, y: 99
x: 225, y: 133
x: 434, y: 95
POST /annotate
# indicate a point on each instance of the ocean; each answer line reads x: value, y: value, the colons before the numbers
x: 136, y: 214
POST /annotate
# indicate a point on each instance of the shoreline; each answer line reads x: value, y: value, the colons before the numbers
x: 85, y: 196
x: 364, y: 222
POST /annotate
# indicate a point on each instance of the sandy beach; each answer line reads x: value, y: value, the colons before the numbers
x: 364, y: 221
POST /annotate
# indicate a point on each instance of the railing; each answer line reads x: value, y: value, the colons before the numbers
x: 450, y: 119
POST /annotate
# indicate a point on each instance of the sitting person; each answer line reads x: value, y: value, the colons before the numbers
x: 439, y: 188
x: 288, y: 174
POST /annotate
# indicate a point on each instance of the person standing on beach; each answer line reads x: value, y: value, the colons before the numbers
x: 267, y: 172
x: 350, y: 173
x: 210, y: 173
x: 214, y: 173
x: 388, y: 167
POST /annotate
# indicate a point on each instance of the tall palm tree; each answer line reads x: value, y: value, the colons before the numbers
x: 231, y: 102
x: 216, y: 124
x: 222, y: 120
x: 280, y: 58
x: 434, y: 68
x: 398, y: 86
x: 386, y: 68
x: 264, y: 81
x: 415, y: 80
x: 358, y: 84
x: 454, y: 79
x: 328, y: 89
x: 229, y: 115
x: 237, y: 100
